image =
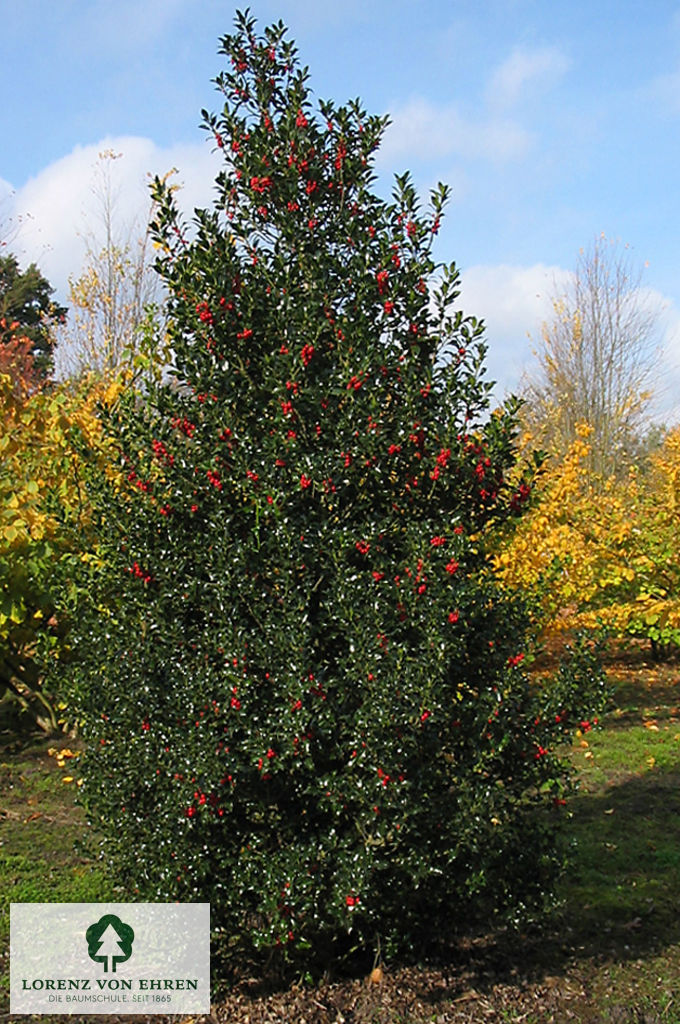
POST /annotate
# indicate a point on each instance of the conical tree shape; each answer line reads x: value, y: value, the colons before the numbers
x: 304, y: 701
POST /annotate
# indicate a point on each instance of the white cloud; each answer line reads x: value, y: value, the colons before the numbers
x: 522, y: 68
x: 667, y: 404
x: 55, y: 210
x: 421, y: 130
x: 513, y: 301
x: 6, y: 192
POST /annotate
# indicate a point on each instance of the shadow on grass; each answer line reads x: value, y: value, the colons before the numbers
x: 624, y: 887
x: 621, y: 893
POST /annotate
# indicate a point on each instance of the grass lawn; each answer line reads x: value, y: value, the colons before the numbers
x: 39, y: 822
x: 611, y: 954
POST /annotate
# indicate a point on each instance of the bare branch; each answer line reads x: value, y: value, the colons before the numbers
x: 109, y: 298
x: 598, y: 359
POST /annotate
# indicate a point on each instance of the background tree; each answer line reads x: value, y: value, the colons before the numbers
x: 595, y: 553
x: 27, y: 311
x: 110, y: 298
x: 17, y: 363
x: 47, y: 435
x: 597, y: 362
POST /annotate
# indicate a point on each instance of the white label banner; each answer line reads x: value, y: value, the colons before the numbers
x: 85, y: 958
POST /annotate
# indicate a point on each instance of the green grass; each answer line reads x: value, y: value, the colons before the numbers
x: 627, y: 820
x: 622, y: 893
x: 39, y: 824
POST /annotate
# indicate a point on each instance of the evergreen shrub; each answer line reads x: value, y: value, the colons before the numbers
x: 305, y: 698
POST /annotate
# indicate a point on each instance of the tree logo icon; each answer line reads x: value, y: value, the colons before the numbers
x: 109, y: 941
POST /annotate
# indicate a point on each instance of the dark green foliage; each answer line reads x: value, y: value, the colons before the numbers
x: 302, y: 700
x: 26, y: 300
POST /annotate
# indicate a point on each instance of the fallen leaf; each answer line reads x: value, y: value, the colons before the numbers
x: 466, y: 996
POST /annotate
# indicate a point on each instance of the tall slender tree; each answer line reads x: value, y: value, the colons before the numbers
x: 117, y: 285
x: 597, y: 362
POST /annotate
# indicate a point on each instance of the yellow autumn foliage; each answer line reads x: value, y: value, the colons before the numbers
x: 601, y: 552
x: 45, y: 441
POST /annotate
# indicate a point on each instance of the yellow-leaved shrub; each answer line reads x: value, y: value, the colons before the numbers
x: 46, y: 439
x: 601, y: 552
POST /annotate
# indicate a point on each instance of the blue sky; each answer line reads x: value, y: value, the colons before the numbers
x: 553, y: 123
